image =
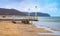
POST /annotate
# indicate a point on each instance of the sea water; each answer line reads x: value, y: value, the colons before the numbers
x: 43, y: 22
x: 49, y: 22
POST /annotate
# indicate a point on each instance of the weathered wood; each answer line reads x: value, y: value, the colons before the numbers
x: 14, y: 22
x: 25, y: 21
x: 17, y: 19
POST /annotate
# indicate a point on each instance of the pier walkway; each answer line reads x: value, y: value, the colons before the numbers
x: 24, y: 19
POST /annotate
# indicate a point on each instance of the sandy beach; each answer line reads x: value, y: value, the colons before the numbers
x: 7, y: 28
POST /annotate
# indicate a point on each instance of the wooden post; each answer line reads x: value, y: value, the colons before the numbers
x: 25, y: 21
x: 36, y: 14
x: 28, y: 15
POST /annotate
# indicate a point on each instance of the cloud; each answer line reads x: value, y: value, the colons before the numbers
x: 50, y: 8
x: 24, y: 5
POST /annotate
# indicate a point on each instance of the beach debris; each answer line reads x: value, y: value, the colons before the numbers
x: 14, y: 22
x: 25, y: 21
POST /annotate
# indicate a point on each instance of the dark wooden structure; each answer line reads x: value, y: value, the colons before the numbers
x: 11, y: 14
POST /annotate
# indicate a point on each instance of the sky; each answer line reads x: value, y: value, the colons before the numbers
x: 51, y: 7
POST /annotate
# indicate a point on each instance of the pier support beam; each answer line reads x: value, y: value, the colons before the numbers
x: 14, y: 22
x: 25, y: 21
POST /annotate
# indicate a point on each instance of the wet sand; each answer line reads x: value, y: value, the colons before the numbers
x: 7, y: 28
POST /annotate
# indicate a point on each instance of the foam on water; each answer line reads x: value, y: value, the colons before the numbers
x: 49, y: 23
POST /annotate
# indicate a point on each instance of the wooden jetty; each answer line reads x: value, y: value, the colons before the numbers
x: 24, y: 19
x: 15, y: 15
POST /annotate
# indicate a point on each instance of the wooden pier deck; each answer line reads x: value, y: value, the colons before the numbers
x: 19, y: 18
x: 24, y: 19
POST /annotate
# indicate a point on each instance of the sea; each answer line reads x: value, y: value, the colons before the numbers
x: 49, y: 22
x: 44, y: 22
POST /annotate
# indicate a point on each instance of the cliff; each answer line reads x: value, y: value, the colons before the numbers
x: 4, y: 11
x: 40, y: 14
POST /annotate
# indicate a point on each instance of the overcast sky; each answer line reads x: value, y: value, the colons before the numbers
x: 51, y: 7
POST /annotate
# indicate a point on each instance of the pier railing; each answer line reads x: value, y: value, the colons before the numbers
x: 30, y: 18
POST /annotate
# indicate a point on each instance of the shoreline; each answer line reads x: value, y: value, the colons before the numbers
x: 7, y: 28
